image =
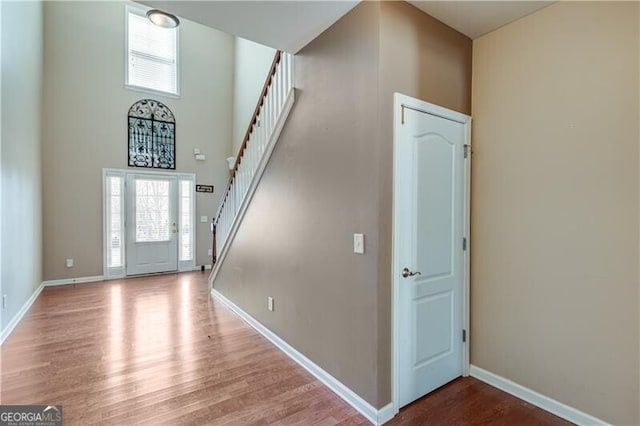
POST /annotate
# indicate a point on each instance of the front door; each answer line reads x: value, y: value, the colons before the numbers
x: 429, y: 262
x: 151, y: 224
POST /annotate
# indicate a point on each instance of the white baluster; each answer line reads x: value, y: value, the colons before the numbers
x: 279, y: 86
x: 254, y: 152
x: 285, y: 72
x: 274, y: 90
x: 232, y: 201
x: 247, y: 167
x: 245, y: 182
x: 236, y: 185
x: 283, y: 94
x: 284, y: 83
x: 243, y: 174
x: 223, y: 225
x: 269, y: 115
x: 250, y: 155
x: 263, y: 126
x: 269, y: 102
x: 291, y: 68
x: 274, y: 100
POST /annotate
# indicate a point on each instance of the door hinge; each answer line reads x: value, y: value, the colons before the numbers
x: 464, y: 335
x: 467, y: 148
x: 464, y: 244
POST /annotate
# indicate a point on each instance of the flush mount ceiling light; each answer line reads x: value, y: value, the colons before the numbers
x: 163, y: 19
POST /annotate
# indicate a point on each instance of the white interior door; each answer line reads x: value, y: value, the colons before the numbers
x: 429, y: 259
x: 151, y: 224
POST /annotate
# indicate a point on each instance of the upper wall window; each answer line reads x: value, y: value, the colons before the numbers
x: 152, y: 55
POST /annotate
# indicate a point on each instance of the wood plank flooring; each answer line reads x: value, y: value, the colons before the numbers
x: 159, y: 350
x: 467, y: 401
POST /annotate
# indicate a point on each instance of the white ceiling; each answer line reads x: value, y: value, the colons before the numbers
x: 284, y: 25
x: 476, y: 18
x: 290, y: 25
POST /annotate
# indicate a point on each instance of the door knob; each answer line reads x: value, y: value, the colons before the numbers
x: 407, y: 273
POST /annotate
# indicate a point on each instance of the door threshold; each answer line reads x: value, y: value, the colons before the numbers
x: 153, y: 274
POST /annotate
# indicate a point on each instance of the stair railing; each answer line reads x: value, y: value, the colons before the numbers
x: 262, y: 127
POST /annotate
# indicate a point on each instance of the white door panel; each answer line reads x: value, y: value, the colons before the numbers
x: 151, y: 224
x: 429, y: 234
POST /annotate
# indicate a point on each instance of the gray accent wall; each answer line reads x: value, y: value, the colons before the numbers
x: 21, y: 181
x: 252, y: 62
x: 85, y: 125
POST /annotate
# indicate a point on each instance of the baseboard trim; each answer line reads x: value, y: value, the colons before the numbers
x: 20, y: 314
x: 386, y: 413
x: 532, y: 397
x: 377, y: 417
x: 67, y: 281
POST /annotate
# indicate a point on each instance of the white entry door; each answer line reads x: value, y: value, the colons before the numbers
x: 151, y: 224
x: 429, y: 257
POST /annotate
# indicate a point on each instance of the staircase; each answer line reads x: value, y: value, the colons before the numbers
x: 264, y: 129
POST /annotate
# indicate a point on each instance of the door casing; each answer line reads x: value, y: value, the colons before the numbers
x: 400, y: 102
x: 120, y: 272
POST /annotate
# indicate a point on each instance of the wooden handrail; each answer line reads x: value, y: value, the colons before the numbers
x: 247, y: 135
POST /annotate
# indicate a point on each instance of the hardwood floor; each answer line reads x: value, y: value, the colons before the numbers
x: 160, y: 350
x: 467, y: 401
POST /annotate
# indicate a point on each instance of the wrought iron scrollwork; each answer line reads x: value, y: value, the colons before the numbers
x: 152, y: 135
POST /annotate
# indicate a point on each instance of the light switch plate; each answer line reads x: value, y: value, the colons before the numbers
x: 270, y: 303
x: 204, y: 219
x: 358, y: 243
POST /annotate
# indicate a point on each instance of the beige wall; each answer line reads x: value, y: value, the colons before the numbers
x: 21, y: 189
x: 85, y: 128
x: 555, y: 206
x: 295, y: 242
x: 329, y: 177
x: 252, y: 62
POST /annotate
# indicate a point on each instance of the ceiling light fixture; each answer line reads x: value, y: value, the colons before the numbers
x: 163, y: 19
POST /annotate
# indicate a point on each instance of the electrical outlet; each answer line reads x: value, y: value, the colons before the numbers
x: 204, y: 219
x: 270, y: 303
x: 4, y: 301
x: 69, y: 263
x: 210, y: 252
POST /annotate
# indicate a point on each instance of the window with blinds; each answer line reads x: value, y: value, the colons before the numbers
x: 152, y: 54
x: 114, y: 196
x: 186, y: 220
